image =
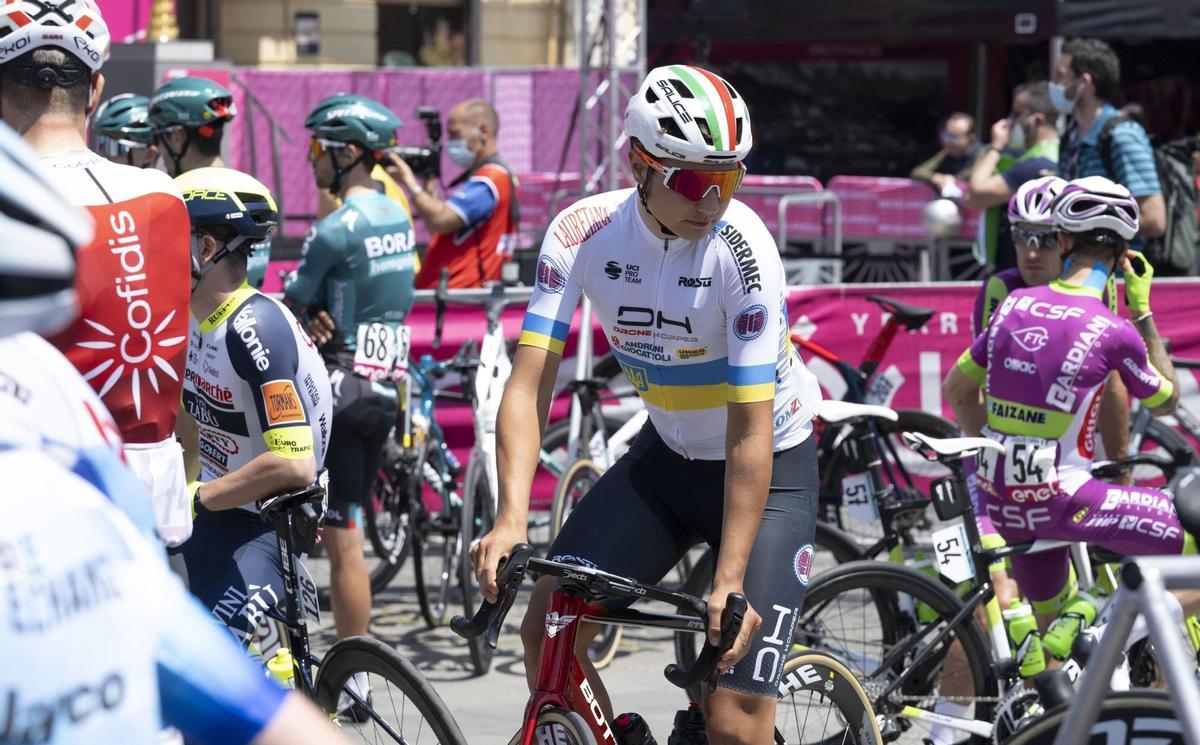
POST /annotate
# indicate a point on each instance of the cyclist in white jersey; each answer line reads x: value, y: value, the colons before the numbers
x: 99, y: 642
x: 689, y: 288
x: 128, y: 341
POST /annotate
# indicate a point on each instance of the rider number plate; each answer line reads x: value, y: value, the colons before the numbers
x: 1029, y: 461
x: 953, y: 554
x: 382, y: 351
x: 857, y: 498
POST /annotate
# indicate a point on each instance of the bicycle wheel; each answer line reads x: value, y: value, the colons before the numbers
x: 833, y: 548
x: 558, y: 726
x: 400, y: 705
x: 478, y: 517
x: 911, y: 473
x: 437, y: 537
x: 869, y: 612
x: 1163, y: 439
x: 820, y: 701
x: 386, y: 516
x: 1139, y: 716
x: 576, y: 481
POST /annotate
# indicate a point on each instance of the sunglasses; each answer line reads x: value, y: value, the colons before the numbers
x: 694, y: 184
x: 112, y: 147
x: 320, y: 146
x: 1043, y: 239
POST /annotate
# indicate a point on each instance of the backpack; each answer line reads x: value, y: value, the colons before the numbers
x: 1176, y: 249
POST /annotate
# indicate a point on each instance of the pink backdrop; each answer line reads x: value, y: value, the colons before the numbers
x: 125, y: 17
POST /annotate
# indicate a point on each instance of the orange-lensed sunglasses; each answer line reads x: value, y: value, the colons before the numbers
x: 695, y: 184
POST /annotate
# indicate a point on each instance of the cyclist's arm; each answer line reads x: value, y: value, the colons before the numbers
x: 519, y: 427
x: 988, y: 188
x: 318, y: 255
x: 1114, y: 417
x: 1146, y: 368
x: 283, y: 413
x: 963, y: 387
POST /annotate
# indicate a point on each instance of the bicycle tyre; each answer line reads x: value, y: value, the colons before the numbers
x: 828, y: 539
x: 478, y: 517
x: 432, y: 597
x: 571, y: 728
x: 885, y: 583
x: 821, y: 673
x: 392, y: 497
x: 1148, y: 716
x: 364, y: 654
x: 1161, y: 436
x: 582, y: 472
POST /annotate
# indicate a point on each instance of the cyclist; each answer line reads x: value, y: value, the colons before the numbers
x: 72, y: 666
x: 688, y: 285
x: 354, y: 286
x: 258, y: 399
x: 128, y: 342
x: 189, y: 115
x: 1041, y: 399
x: 123, y: 131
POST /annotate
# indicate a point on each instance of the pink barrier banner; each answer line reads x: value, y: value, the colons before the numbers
x: 879, y: 207
x: 126, y: 19
x: 844, y: 321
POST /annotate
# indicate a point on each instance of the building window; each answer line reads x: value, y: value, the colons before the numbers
x: 432, y: 34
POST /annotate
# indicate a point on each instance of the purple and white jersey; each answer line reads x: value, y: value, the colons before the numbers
x: 1042, y: 363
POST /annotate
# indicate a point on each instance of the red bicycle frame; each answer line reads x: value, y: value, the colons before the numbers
x: 560, y: 679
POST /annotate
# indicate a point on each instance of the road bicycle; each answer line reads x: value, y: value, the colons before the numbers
x: 822, y: 702
x: 365, y: 686
x: 1093, y: 711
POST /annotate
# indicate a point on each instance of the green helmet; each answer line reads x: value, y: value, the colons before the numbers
x: 190, y: 102
x: 346, y: 117
x: 125, y: 117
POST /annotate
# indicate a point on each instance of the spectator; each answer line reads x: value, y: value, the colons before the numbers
x: 959, y: 150
x: 473, y: 229
x: 1085, y: 79
x: 1024, y: 146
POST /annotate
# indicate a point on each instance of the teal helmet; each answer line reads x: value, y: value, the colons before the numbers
x: 346, y: 117
x: 191, y: 102
x: 125, y: 117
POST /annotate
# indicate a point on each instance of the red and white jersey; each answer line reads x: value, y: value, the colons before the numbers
x: 134, y: 284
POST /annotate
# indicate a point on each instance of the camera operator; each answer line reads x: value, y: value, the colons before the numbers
x: 472, y: 231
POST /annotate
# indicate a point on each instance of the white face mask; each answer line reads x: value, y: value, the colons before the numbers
x: 458, y: 151
x: 1058, y: 97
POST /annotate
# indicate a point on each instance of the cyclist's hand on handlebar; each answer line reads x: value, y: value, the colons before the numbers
x: 321, y: 328
x: 489, y: 551
x: 750, y: 624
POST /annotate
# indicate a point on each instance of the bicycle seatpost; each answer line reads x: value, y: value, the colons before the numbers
x: 439, y: 304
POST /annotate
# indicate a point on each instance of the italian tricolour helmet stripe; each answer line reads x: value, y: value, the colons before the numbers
x: 708, y: 89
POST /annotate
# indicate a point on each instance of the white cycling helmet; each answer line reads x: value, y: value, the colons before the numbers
x: 689, y: 114
x: 42, y: 231
x: 75, y: 26
x: 1033, y: 203
x: 1096, y: 203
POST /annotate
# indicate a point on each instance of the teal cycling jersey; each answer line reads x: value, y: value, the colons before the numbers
x: 358, y: 265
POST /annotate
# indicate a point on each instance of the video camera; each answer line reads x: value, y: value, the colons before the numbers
x: 425, y: 162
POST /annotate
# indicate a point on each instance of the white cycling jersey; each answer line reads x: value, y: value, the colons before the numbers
x: 45, y: 405
x: 694, y: 324
x: 99, y: 641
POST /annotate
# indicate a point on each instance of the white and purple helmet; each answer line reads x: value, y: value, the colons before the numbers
x: 1096, y: 203
x: 1033, y: 203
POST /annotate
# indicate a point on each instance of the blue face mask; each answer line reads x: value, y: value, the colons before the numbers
x: 459, y: 152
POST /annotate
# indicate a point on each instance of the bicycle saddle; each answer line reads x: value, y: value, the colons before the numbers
x: 912, y: 316
x: 270, y: 507
x: 841, y: 412
x: 951, y: 446
x: 594, y: 385
x: 1187, y: 500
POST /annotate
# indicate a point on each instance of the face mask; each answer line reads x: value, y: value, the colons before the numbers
x: 1058, y: 97
x: 1016, y: 137
x: 462, y: 155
